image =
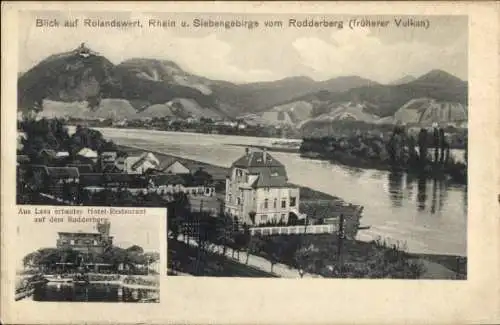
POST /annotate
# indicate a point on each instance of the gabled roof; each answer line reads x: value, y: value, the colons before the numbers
x: 63, y: 172
x: 170, y: 163
x: 88, y: 153
x: 269, y: 177
x: 110, y: 168
x: 257, y: 159
x: 48, y: 152
x: 139, y: 160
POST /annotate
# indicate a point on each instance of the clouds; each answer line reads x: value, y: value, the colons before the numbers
x: 253, y: 55
x: 359, y: 52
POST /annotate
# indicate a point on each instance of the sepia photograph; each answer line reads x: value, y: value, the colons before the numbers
x: 88, y: 259
x: 292, y: 146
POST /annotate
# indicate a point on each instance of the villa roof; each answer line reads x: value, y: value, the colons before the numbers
x: 257, y: 159
x: 268, y: 177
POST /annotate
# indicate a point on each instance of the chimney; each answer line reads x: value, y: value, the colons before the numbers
x: 264, y: 155
x: 247, y: 151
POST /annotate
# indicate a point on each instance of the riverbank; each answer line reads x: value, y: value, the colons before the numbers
x: 219, y: 173
x: 435, y: 266
x: 456, y: 172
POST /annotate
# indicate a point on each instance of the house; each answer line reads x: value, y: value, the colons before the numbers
x: 62, y: 154
x: 86, y: 242
x: 47, y: 156
x: 80, y: 160
x: 63, y: 174
x: 88, y: 153
x: 63, y: 182
x: 82, y: 168
x: 21, y: 137
x: 22, y: 159
x: 257, y: 190
x: 140, y: 164
x: 166, y: 183
x: 96, y: 182
x: 120, y: 163
x: 175, y: 167
x: 109, y: 156
x: 198, y: 185
x: 110, y: 168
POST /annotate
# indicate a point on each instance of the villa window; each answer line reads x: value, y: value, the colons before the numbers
x: 283, y: 217
x: 263, y: 218
x: 275, y: 203
x: 283, y: 204
x: 293, y: 201
x: 230, y: 198
x: 266, y: 203
x: 238, y: 201
x: 95, y: 242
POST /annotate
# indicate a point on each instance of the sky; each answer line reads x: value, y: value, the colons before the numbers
x: 261, y: 54
x: 128, y: 230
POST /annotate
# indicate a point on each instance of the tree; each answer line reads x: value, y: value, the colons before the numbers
x: 135, y: 249
x: 246, y: 238
x: 423, y: 147
x: 256, y: 245
x: 252, y: 215
x: 272, y: 250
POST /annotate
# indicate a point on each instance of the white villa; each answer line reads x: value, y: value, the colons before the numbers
x: 258, y: 185
x: 140, y: 164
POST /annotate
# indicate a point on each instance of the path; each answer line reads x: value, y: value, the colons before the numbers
x: 258, y: 262
x: 436, y: 271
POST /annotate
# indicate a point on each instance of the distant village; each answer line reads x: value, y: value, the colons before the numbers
x: 79, y: 179
x: 255, y: 190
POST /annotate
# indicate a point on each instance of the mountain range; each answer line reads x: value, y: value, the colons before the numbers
x: 83, y: 83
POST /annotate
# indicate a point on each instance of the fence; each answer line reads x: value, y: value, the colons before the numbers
x: 294, y: 230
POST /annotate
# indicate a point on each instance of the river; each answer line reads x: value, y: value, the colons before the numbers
x: 426, y: 216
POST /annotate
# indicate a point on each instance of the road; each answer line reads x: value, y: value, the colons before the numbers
x: 255, y: 261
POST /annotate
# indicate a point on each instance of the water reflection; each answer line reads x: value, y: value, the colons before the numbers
x: 401, y: 185
x: 413, y: 216
x: 94, y: 292
x: 396, y: 188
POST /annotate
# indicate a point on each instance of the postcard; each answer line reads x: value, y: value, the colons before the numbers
x: 258, y: 162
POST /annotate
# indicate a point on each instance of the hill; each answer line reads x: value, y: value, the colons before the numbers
x: 82, y: 75
x: 92, y: 86
x: 385, y: 100
x: 403, y: 80
x: 426, y: 111
x: 72, y: 76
